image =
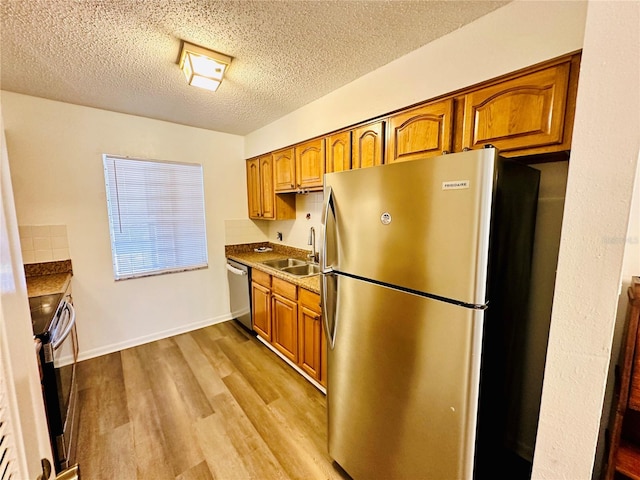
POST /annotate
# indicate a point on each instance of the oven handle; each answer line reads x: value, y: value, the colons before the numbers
x: 57, y: 341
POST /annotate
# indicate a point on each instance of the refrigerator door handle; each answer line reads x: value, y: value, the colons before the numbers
x: 329, y: 224
x: 329, y: 303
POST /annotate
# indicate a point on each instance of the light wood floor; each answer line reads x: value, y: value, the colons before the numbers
x: 210, y: 404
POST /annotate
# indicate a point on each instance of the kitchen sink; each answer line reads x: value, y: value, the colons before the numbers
x: 281, y: 263
x: 293, y: 266
x: 303, y: 270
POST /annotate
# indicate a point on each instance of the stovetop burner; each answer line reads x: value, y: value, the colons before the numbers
x: 43, y: 308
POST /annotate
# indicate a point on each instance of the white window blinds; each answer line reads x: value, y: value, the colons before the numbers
x: 156, y: 216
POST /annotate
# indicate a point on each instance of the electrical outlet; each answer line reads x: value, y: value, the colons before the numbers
x: 279, y: 236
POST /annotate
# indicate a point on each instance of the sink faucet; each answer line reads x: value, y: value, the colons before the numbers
x: 312, y: 241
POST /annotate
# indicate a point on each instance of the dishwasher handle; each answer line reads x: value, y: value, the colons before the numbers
x: 236, y: 271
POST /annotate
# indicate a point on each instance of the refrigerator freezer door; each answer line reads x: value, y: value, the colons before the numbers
x: 403, y: 379
x: 422, y: 225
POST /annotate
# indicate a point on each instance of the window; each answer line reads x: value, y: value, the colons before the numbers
x: 156, y: 216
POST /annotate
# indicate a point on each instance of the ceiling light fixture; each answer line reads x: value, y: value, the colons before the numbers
x: 202, y: 67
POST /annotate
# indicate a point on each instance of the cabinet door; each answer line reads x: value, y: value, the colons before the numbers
x: 284, y: 170
x: 368, y: 145
x: 310, y: 334
x: 310, y: 164
x: 312, y: 344
x: 422, y: 132
x: 285, y: 326
x: 254, y: 188
x: 523, y: 113
x: 267, y: 192
x: 261, y: 310
x: 338, y: 152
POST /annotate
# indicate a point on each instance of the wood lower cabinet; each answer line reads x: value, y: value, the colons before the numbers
x: 285, y: 326
x: 284, y: 318
x: 527, y: 114
x: 261, y: 304
x: 367, y: 145
x: 421, y: 132
x: 624, y: 430
x: 290, y: 320
x: 338, y: 156
x: 312, y: 349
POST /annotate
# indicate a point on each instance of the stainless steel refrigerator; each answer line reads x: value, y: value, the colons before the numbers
x: 425, y: 277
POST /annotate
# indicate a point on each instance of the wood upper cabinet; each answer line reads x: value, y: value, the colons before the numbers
x: 338, y: 148
x: 310, y: 164
x: 526, y: 114
x: 421, y: 132
x: 254, y: 188
x: 262, y: 200
x: 312, y: 348
x: 368, y: 145
x: 284, y: 167
x: 260, y: 188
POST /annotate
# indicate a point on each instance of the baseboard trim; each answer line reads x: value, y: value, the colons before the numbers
x: 293, y: 365
x: 116, y: 347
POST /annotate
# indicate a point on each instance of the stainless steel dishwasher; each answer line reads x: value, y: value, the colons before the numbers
x: 239, y: 277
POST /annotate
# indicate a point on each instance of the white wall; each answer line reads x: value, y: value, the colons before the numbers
x: 55, y: 151
x: 602, y: 171
x: 515, y: 36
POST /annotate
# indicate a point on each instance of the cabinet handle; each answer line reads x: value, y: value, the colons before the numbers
x: 292, y: 185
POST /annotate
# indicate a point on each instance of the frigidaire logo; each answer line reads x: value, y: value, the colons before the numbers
x: 455, y: 185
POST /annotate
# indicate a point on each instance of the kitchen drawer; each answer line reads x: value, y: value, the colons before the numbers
x: 310, y: 300
x: 260, y: 277
x: 284, y: 288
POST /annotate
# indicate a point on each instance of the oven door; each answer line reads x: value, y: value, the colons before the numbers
x: 64, y: 342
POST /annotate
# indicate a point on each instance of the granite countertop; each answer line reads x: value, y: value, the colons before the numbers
x: 245, y: 254
x: 48, y: 284
x: 48, y: 278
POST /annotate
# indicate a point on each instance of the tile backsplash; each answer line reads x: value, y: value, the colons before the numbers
x: 43, y: 243
x: 295, y: 233
x: 243, y: 230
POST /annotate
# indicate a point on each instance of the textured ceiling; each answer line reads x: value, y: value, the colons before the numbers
x: 121, y: 55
